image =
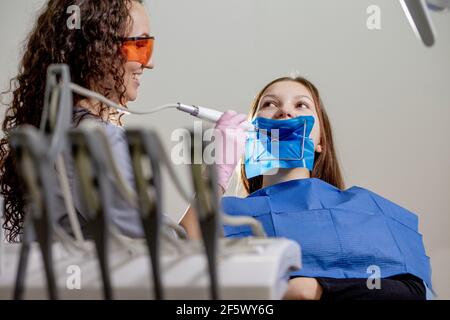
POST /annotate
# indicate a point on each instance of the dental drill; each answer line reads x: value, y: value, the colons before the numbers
x: 203, y: 113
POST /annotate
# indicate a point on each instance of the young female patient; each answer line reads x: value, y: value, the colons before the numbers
x: 354, y: 243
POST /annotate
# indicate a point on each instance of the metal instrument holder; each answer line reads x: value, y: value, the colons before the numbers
x: 89, y: 156
x: 206, y: 203
x: 34, y: 164
x: 143, y: 144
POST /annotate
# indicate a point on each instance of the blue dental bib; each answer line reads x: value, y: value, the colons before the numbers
x: 341, y: 233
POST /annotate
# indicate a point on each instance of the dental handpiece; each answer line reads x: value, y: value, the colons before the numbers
x: 203, y: 113
x: 207, y: 114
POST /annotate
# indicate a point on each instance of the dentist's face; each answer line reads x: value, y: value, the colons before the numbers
x: 289, y: 99
x: 133, y: 69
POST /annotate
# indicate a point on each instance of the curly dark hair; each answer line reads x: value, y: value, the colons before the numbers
x: 95, y: 61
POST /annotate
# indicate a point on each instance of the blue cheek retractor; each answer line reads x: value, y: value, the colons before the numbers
x: 279, y: 144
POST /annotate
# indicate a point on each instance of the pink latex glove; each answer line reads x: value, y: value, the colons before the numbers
x: 230, y: 144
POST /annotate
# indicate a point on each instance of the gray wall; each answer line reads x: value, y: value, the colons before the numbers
x: 386, y: 94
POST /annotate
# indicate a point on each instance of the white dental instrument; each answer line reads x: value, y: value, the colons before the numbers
x: 203, y: 113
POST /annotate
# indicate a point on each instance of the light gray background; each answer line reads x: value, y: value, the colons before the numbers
x: 387, y: 95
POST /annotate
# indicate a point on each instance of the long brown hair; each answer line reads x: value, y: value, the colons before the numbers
x: 93, y: 55
x: 326, y: 166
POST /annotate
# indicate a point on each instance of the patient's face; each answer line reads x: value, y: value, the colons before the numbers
x: 289, y: 99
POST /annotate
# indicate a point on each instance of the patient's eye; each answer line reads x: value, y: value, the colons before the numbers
x: 302, y: 105
x: 267, y: 104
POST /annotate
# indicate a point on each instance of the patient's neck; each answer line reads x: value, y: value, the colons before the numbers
x: 285, y: 175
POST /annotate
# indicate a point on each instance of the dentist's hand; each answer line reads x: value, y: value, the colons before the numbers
x: 230, y: 144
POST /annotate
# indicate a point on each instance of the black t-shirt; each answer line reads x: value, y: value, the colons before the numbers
x: 399, y: 287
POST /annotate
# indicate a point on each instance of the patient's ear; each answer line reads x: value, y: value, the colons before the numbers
x: 319, y: 148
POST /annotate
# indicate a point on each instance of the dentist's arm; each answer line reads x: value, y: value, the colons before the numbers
x: 230, y: 145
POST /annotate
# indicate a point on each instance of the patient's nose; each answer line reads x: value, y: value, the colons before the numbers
x: 284, y: 113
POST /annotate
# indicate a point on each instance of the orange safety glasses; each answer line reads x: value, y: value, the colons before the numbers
x: 138, y: 49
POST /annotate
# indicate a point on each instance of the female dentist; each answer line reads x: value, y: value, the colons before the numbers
x: 355, y: 244
x: 108, y: 53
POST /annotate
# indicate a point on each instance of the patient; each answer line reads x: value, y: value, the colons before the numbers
x: 355, y: 244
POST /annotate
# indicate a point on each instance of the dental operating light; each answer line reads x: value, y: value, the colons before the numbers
x: 417, y: 13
